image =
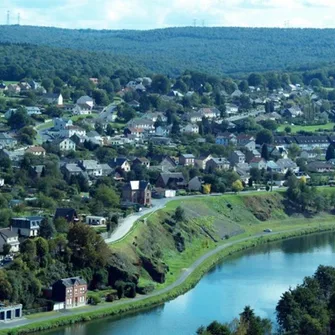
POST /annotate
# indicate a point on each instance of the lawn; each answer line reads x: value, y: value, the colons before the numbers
x: 45, y: 125
x: 75, y: 118
x: 314, y: 128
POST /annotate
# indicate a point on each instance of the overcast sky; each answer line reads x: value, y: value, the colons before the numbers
x: 150, y: 14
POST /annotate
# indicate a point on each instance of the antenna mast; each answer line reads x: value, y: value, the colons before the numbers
x: 8, y: 18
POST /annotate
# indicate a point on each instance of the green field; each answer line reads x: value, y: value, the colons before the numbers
x: 314, y: 128
x: 209, y: 221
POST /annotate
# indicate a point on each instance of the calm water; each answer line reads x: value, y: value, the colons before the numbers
x: 256, y: 278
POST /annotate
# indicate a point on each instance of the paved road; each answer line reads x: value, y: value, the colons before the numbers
x: 125, y: 226
x: 187, y: 272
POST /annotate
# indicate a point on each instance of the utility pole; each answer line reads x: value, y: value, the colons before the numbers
x: 8, y: 18
x: 203, y: 23
x: 194, y: 23
x: 18, y: 19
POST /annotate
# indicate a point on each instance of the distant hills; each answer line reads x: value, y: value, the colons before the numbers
x: 213, y: 50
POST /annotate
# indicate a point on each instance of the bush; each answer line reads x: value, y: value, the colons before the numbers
x: 95, y: 300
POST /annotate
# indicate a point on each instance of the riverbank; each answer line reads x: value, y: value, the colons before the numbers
x: 186, y: 281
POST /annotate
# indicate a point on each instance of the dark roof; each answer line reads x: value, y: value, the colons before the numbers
x: 161, y: 158
x: 67, y: 213
x: 69, y: 282
x: 7, y: 232
x: 118, y: 162
x: 175, y: 176
x: 311, y: 139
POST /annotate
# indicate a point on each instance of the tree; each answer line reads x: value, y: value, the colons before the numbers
x: 61, y: 225
x: 243, y: 86
x: 206, y: 188
x: 179, y: 214
x: 27, y: 135
x: 160, y: 84
x: 88, y: 249
x: 264, y: 136
x: 255, y: 174
x: 288, y: 130
x: 175, y: 130
x: 294, y: 151
x: 47, y: 229
x: 6, y: 249
x: 5, y: 287
x: 255, y: 79
x: 237, y: 186
x: 330, y: 153
x: 19, y: 119
x: 107, y: 196
x: 265, y: 152
x: 216, y: 328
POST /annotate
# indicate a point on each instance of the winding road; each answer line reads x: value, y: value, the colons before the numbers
x: 183, y: 277
x: 126, y: 225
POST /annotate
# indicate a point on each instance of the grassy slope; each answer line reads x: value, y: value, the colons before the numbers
x: 272, y: 211
x: 234, y: 215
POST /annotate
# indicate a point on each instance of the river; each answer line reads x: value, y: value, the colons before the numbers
x: 257, y: 278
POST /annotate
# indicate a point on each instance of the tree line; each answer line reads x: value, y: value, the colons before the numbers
x: 308, y: 309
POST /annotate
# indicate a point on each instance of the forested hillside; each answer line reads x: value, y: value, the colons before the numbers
x: 212, y: 50
x: 30, y: 61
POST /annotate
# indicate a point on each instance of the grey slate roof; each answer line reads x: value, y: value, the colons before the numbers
x: 69, y: 282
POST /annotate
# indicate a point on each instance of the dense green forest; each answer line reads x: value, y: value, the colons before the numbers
x: 31, y: 61
x: 213, y: 50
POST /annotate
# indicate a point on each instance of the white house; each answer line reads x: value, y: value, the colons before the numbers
x: 82, y: 109
x: 92, y: 167
x: 190, y: 129
x: 26, y: 226
x: 86, y: 100
x: 65, y: 144
x: 8, y: 236
x: 53, y: 98
x: 95, y: 220
x: 69, y: 131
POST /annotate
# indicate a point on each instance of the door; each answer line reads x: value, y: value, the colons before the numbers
x: 76, y: 301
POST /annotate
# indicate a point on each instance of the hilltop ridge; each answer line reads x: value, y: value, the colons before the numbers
x: 217, y: 50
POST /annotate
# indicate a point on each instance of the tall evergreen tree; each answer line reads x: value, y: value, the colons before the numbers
x: 330, y: 154
x: 265, y: 152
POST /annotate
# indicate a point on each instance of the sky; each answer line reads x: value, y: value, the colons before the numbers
x: 151, y: 14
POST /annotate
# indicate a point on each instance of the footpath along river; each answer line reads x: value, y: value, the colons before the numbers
x: 256, y: 277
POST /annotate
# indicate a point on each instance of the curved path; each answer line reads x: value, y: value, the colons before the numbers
x: 179, y: 281
x: 125, y: 227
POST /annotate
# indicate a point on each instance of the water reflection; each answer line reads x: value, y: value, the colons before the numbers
x: 257, y: 277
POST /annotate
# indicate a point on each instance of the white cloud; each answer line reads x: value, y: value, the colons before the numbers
x: 148, y: 14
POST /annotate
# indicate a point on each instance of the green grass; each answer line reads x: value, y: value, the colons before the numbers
x: 131, y: 306
x: 314, y: 128
x: 40, y: 315
x: 75, y: 118
x: 45, y: 125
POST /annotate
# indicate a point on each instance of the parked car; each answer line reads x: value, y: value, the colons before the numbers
x: 267, y: 230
